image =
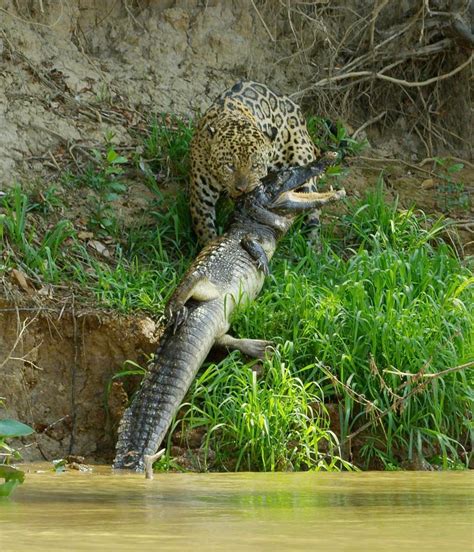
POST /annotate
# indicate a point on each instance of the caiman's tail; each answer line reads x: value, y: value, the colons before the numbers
x: 178, y: 358
x: 133, y: 427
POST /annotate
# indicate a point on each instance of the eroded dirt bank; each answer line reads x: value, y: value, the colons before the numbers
x: 56, y: 364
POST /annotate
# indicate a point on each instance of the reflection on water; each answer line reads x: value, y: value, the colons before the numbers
x: 298, y: 511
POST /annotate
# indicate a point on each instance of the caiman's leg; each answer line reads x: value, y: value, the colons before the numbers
x: 199, y: 289
x: 256, y: 251
x: 255, y: 348
x: 268, y: 218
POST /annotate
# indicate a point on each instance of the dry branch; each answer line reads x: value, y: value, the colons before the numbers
x: 381, y: 75
x: 393, y: 58
x: 426, y: 379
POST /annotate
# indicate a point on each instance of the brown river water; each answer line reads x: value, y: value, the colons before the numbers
x: 402, y: 511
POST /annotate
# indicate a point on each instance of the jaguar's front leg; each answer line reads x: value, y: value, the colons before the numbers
x: 204, y: 193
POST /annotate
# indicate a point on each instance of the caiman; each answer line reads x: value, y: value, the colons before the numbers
x: 229, y: 271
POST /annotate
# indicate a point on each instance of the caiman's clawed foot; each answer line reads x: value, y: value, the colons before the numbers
x: 255, y: 348
x: 196, y: 287
x: 175, y: 318
x: 256, y: 251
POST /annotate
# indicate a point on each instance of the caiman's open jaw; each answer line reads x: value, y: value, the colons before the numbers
x: 301, y: 201
x: 291, y: 180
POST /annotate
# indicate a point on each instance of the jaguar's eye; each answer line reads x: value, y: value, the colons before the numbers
x: 230, y: 167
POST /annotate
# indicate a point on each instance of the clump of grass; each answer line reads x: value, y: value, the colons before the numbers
x: 274, y: 422
x: 166, y: 147
x: 148, y: 264
x: 451, y: 193
x: 139, y: 275
x: 329, y: 136
x: 143, y: 261
x: 36, y: 255
x: 152, y: 260
x: 104, y: 178
x: 374, y: 322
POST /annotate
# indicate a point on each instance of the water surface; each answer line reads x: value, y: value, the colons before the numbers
x: 404, y: 511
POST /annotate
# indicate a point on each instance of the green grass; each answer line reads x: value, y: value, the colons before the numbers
x: 104, y: 180
x: 363, y: 330
x: 269, y: 423
x: 145, y: 258
x: 166, y: 149
x: 137, y: 276
x: 381, y: 317
x: 37, y: 255
x: 451, y: 193
x: 330, y: 136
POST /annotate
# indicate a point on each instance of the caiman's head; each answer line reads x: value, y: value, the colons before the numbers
x: 240, y: 154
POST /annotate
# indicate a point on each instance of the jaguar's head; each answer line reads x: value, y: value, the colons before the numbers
x: 240, y: 154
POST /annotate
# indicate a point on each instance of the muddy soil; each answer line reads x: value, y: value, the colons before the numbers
x: 56, y: 366
x: 73, y: 72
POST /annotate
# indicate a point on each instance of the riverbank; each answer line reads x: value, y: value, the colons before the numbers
x: 372, y: 332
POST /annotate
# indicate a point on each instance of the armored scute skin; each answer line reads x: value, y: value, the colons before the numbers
x: 223, y: 276
x: 247, y: 132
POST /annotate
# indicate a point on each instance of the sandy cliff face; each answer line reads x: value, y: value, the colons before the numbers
x: 66, y: 69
